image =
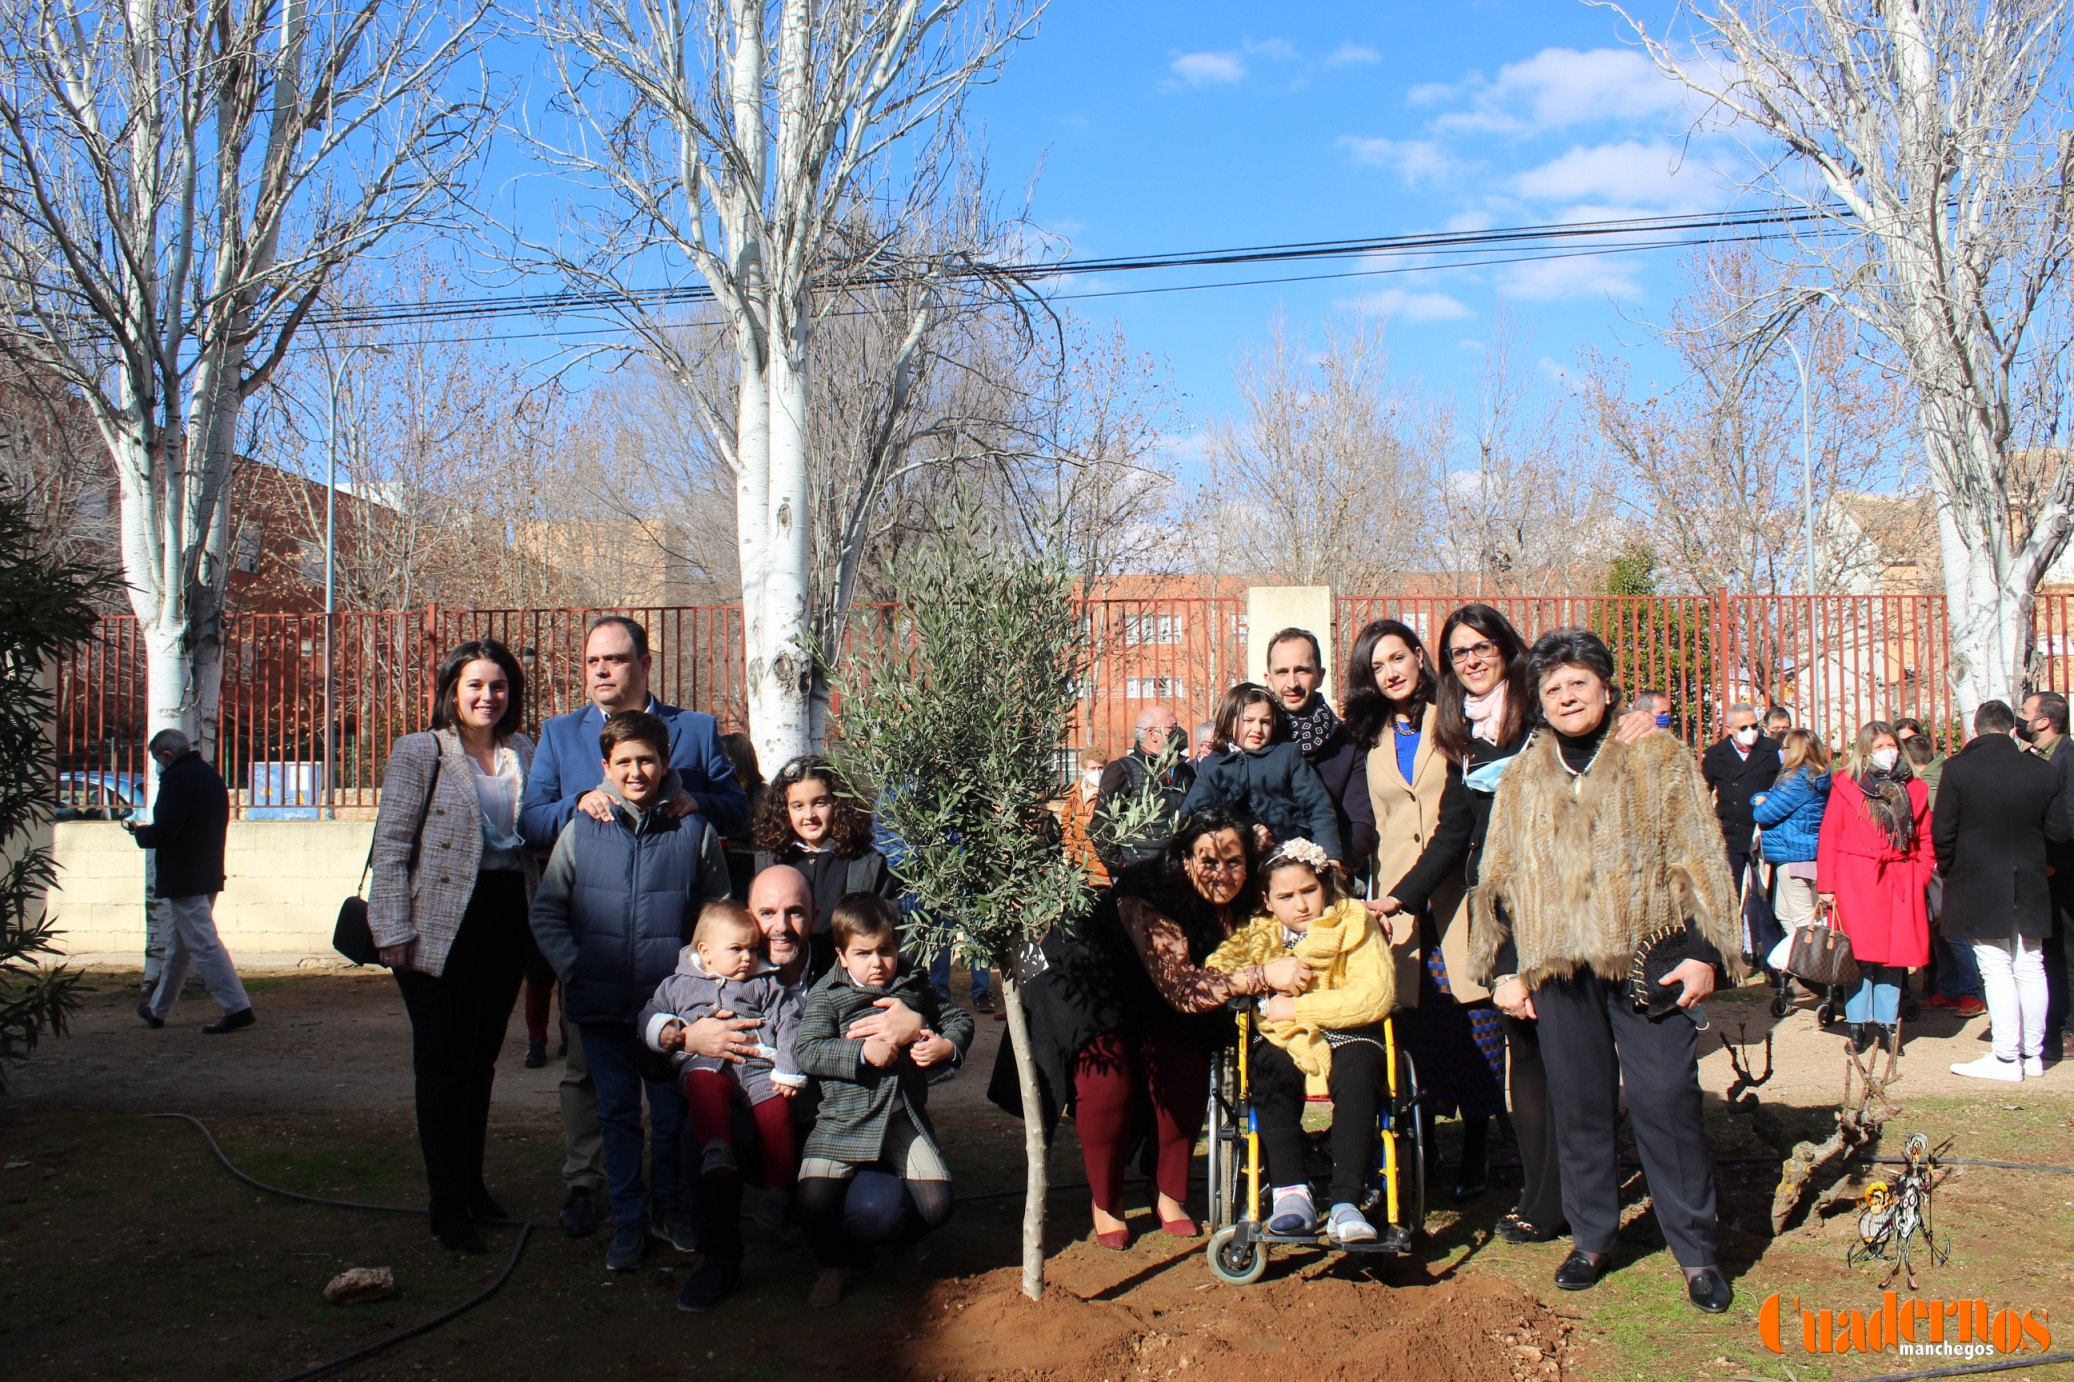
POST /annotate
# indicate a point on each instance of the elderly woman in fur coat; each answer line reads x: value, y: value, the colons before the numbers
x: 1597, y: 851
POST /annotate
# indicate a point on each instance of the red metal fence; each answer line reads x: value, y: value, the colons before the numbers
x: 1835, y: 661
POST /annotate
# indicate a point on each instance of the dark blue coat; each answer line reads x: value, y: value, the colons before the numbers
x: 567, y: 763
x: 1791, y: 814
x: 189, y: 818
x: 618, y: 900
x: 1275, y: 787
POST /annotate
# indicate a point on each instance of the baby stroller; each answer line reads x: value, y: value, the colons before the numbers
x: 1396, y: 1199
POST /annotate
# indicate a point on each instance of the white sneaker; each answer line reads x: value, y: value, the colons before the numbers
x: 2034, y: 1067
x: 1347, y: 1226
x: 1988, y: 1067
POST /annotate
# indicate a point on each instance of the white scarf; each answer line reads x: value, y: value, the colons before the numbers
x: 1485, y: 713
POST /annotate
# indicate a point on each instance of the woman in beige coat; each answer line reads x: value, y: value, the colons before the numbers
x: 452, y: 884
x: 1423, y: 825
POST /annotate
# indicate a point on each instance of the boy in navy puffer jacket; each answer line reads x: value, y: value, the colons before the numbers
x: 616, y: 904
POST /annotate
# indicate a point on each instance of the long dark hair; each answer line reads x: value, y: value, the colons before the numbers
x: 849, y: 827
x: 1451, y: 728
x: 1177, y: 891
x: 444, y: 715
x: 1369, y: 711
x: 1236, y: 701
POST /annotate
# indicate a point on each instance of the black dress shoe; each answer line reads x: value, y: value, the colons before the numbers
x: 456, y: 1234
x: 231, y: 1022
x: 1579, y: 1272
x: 580, y: 1212
x: 536, y: 1053
x: 482, y: 1206
x: 709, y: 1285
x: 1709, y: 1291
x: 1513, y: 1229
x: 151, y: 1019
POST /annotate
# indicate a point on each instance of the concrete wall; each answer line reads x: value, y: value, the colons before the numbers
x: 279, y: 902
x: 1272, y: 608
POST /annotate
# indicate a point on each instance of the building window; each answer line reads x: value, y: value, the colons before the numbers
x: 1152, y: 688
x: 1142, y: 629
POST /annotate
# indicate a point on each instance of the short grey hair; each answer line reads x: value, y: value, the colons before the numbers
x: 1740, y: 706
x: 171, y: 742
x: 1146, y: 717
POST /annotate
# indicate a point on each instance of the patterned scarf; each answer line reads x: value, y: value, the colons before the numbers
x: 1888, y: 807
x: 1312, y: 728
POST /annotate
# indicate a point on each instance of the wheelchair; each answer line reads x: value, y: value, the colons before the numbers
x: 1395, y: 1201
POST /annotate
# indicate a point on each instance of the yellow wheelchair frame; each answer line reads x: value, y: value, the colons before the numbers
x: 1239, y: 1239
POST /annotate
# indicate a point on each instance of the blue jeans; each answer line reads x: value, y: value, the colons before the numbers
x: 940, y: 976
x: 1958, y: 973
x: 616, y: 1057
x: 1878, y: 998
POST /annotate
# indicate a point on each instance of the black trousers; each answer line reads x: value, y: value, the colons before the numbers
x: 1593, y: 1041
x: 457, y: 1022
x: 2059, y: 974
x: 1356, y: 1085
x: 1541, y: 1198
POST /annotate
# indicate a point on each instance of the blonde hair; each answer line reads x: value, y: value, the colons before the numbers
x: 716, y: 917
x: 1803, y: 748
x: 1858, y: 758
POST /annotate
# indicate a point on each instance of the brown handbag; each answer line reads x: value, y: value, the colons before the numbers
x: 1821, y: 955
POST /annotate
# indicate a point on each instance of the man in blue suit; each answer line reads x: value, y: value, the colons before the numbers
x: 567, y: 769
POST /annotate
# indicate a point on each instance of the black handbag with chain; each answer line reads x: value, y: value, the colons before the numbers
x: 1658, y: 954
x: 350, y: 934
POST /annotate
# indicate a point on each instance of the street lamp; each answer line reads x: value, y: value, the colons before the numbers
x: 332, y: 370
x: 1807, y: 501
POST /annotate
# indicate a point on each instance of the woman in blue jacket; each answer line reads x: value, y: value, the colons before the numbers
x: 1790, y: 814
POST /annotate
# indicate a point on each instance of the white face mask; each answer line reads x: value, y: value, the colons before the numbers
x: 1885, y: 759
x: 1746, y: 736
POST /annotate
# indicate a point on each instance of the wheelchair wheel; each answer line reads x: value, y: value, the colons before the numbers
x: 1233, y: 1262
x: 1782, y: 1003
x: 1911, y: 1010
x: 1411, y: 1146
x: 1225, y: 1154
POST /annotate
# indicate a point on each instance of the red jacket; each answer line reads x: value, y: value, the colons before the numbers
x: 1878, y: 889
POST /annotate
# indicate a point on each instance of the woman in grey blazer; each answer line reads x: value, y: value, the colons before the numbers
x: 448, y: 905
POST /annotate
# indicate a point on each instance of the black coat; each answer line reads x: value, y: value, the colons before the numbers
x: 1343, y: 768
x: 188, y: 820
x: 1735, y: 779
x: 1123, y: 779
x: 1997, y: 807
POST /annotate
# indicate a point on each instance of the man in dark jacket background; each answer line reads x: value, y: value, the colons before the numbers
x: 1157, y: 728
x: 1999, y: 811
x: 190, y: 816
x: 1295, y: 673
x: 566, y: 781
x: 2043, y: 728
x: 1739, y: 766
x: 617, y: 901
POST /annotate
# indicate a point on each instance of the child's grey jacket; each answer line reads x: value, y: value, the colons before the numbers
x: 692, y: 993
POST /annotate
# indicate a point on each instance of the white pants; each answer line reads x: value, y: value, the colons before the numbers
x: 1794, y: 902
x: 2012, y: 973
x: 194, y: 944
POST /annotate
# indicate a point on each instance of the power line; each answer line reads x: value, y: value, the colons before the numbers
x: 1615, y: 232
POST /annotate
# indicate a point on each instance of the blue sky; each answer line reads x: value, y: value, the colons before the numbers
x: 1166, y: 126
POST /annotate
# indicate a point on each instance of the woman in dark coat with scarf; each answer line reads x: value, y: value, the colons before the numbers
x: 1125, y: 1015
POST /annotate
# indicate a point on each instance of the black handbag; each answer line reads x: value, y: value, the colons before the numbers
x: 350, y: 934
x: 1655, y: 958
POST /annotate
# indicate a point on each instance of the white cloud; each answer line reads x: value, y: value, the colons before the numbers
x: 1471, y: 220
x: 1204, y: 69
x: 1412, y: 159
x: 1560, y: 87
x: 1351, y: 53
x: 1555, y: 280
x: 1273, y: 49
x: 1416, y: 307
x: 1630, y: 174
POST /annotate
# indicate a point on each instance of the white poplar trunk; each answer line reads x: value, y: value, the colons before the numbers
x: 780, y: 662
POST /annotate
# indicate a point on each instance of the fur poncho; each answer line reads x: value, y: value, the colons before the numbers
x: 1578, y: 871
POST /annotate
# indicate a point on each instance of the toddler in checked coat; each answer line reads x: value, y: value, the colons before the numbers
x: 724, y: 970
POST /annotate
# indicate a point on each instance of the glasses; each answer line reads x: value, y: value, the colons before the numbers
x: 1482, y: 651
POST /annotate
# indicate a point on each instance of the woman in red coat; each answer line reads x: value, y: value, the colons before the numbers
x: 1872, y: 864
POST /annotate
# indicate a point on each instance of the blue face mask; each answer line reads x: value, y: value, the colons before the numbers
x: 1663, y: 722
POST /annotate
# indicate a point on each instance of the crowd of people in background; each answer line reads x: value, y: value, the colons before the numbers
x: 1484, y: 841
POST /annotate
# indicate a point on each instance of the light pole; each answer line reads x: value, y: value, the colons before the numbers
x: 332, y: 370
x: 1807, y: 502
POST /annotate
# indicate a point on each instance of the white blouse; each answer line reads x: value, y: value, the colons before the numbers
x: 497, y: 795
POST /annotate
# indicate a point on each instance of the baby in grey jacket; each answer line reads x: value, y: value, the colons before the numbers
x: 724, y: 970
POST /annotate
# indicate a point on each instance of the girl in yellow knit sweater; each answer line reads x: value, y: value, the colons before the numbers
x: 1328, y: 1039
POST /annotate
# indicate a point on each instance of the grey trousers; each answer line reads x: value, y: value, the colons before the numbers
x: 583, y: 1144
x: 192, y: 943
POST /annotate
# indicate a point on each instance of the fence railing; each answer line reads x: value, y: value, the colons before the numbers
x: 292, y: 740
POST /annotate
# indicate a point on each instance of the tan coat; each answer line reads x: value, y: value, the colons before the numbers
x: 1578, y: 871
x: 1405, y: 819
x: 426, y: 904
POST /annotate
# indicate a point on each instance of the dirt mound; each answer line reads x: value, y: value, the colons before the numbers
x: 1169, y: 1320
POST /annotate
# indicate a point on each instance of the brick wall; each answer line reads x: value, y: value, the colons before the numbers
x: 279, y: 902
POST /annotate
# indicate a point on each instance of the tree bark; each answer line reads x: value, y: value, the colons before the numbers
x: 1036, y: 1150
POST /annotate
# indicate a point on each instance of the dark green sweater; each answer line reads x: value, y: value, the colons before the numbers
x: 857, y: 1099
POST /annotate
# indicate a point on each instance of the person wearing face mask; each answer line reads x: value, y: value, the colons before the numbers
x: 1873, y: 862
x: 2042, y: 726
x: 1077, y: 818
x: 1657, y: 705
x: 1739, y: 766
